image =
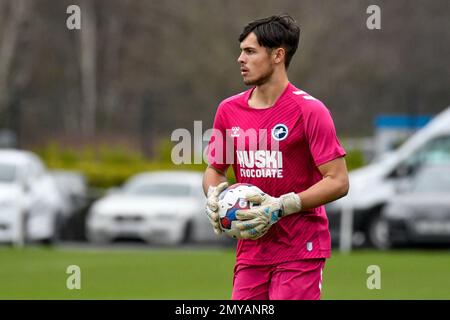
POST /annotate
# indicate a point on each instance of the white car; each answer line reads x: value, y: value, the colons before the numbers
x: 30, y: 203
x: 164, y: 207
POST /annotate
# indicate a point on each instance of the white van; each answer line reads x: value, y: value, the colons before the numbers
x: 372, y: 185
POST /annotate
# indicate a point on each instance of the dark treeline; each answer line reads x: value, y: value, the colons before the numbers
x: 137, y: 69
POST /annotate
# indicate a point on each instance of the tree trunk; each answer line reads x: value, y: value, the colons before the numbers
x: 18, y: 13
x: 88, y: 67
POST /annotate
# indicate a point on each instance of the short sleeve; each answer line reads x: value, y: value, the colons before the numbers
x: 321, y: 133
x: 217, y: 146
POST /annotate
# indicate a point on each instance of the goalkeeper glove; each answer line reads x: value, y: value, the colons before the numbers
x: 256, y: 222
x: 212, y: 205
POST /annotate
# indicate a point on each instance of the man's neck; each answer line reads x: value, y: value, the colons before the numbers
x: 265, y: 95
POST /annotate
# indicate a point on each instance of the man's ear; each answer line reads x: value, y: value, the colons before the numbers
x: 279, y: 55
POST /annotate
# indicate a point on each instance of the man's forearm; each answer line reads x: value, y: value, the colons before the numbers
x: 324, y: 191
x: 212, y: 177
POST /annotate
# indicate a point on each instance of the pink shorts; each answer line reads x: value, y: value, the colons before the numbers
x: 293, y: 280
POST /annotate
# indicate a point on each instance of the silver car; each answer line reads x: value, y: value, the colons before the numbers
x: 420, y: 213
x: 160, y: 207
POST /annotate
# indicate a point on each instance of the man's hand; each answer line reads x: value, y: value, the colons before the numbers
x: 212, y: 205
x: 256, y: 222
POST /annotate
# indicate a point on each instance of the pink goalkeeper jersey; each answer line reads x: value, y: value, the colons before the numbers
x: 278, y: 149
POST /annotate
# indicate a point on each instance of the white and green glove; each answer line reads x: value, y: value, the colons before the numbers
x: 256, y: 222
x: 212, y: 205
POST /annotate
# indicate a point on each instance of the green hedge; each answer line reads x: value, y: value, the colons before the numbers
x: 109, y: 166
x: 354, y: 159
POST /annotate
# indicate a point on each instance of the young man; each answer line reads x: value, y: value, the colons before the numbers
x: 297, y: 162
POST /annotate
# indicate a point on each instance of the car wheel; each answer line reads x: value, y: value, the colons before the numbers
x: 56, y: 230
x: 378, y: 233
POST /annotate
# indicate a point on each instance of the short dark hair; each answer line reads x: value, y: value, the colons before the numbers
x: 275, y: 32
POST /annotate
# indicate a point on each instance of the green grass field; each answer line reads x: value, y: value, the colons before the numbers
x: 40, y: 273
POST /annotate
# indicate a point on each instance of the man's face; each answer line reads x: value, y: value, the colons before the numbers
x: 255, y: 61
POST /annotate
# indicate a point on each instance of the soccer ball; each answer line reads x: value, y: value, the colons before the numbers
x: 231, y: 200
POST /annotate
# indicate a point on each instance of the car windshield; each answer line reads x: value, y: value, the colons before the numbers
x: 158, y: 189
x: 433, y: 179
x: 7, y: 173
